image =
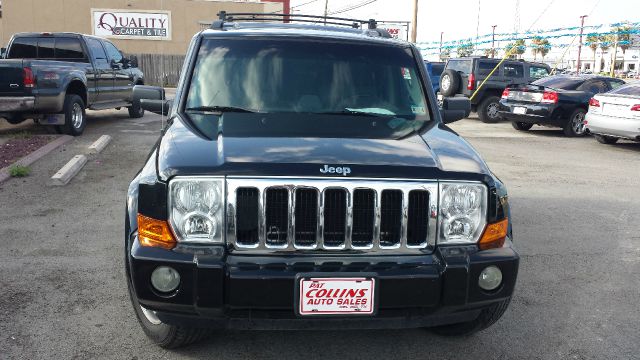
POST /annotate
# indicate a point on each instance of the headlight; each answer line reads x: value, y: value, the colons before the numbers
x: 463, y: 212
x: 195, y: 209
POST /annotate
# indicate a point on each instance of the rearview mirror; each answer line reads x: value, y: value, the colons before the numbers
x: 152, y: 98
x: 3, y: 52
x: 455, y: 108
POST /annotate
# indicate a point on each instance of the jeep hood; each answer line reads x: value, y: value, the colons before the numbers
x: 435, y: 153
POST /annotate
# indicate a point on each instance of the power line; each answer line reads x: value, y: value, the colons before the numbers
x: 351, y: 7
x: 294, y: 7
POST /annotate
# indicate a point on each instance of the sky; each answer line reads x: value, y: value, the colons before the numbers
x: 460, y: 18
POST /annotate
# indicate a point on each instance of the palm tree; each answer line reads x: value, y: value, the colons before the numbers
x: 593, y: 40
x: 465, y: 48
x: 605, y: 43
x: 535, y: 46
x: 520, y: 48
x: 625, y: 39
x: 544, y: 47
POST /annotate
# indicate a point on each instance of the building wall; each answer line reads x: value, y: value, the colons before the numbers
x: 75, y: 16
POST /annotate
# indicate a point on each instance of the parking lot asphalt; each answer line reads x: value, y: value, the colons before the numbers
x: 575, y: 206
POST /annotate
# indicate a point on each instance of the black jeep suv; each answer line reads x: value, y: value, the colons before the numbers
x: 306, y: 179
x: 463, y: 76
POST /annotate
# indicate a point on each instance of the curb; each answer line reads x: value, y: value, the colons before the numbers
x: 99, y: 144
x: 69, y: 170
x: 36, y: 155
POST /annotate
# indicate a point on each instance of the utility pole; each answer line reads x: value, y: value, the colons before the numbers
x: 441, y: 33
x: 326, y: 11
x: 493, y: 40
x: 580, y: 42
x: 414, y: 29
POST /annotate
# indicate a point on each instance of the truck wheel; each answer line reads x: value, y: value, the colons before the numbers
x: 74, y: 116
x: 486, y: 318
x: 604, y: 139
x: 488, y: 109
x: 164, y: 335
x: 521, y: 126
x: 135, y: 110
x: 575, y: 124
x: 449, y: 82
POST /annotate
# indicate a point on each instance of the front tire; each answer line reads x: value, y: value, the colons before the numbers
x: 604, y: 139
x: 488, y: 110
x: 521, y: 126
x: 135, y: 110
x: 575, y: 125
x: 487, y: 317
x: 74, y: 116
x: 164, y: 335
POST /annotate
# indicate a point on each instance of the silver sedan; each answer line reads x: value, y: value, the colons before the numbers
x: 615, y: 115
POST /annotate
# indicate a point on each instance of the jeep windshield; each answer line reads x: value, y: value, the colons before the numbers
x: 309, y: 78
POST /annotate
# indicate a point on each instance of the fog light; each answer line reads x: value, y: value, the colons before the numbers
x: 165, y: 279
x: 490, y: 278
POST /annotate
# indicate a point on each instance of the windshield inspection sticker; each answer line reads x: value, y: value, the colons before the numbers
x: 406, y: 73
x: 419, y: 110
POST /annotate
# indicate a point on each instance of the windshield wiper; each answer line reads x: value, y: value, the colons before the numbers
x: 220, y: 109
x: 354, y: 112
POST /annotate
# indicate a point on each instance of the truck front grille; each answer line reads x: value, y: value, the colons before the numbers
x: 266, y: 215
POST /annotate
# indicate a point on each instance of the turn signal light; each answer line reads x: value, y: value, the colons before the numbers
x: 156, y: 233
x: 494, y: 235
x: 593, y: 102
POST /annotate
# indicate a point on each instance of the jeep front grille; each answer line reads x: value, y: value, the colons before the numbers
x: 266, y: 215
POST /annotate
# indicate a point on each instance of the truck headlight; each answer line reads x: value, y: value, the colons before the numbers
x: 195, y: 209
x: 463, y: 212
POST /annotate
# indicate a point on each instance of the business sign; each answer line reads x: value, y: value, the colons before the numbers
x: 397, y: 31
x: 125, y: 24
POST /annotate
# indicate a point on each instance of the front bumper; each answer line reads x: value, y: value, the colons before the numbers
x: 222, y: 290
x: 17, y: 103
x: 613, y: 126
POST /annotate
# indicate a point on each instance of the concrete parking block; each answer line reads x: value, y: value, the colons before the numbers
x: 99, y: 144
x: 34, y: 156
x: 69, y: 170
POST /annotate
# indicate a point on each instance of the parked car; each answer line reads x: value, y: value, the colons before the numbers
x: 463, y: 76
x: 559, y: 101
x: 435, y: 70
x: 53, y: 77
x: 615, y: 115
x: 316, y: 188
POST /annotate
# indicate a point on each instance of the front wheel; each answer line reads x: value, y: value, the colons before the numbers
x: 164, y: 335
x: 135, y: 110
x: 521, y: 126
x: 604, y: 139
x: 575, y: 124
x: 487, y: 317
x: 488, y: 109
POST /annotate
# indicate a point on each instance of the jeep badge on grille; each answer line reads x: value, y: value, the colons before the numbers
x: 344, y: 170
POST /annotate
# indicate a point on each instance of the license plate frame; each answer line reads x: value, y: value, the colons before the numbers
x: 305, y: 311
x: 520, y: 110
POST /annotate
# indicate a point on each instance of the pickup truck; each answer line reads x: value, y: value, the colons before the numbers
x: 53, y: 77
x: 307, y: 179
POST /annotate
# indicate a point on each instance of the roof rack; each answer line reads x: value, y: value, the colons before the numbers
x: 224, y: 16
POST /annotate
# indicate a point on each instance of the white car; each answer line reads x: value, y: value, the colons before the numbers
x: 615, y: 115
